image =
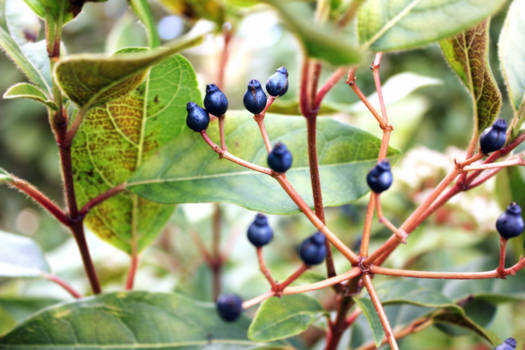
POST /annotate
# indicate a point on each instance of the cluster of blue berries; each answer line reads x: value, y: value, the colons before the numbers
x: 508, y: 344
x: 215, y: 103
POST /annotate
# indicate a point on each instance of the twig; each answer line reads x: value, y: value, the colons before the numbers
x: 101, y: 198
x: 132, y: 271
x: 264, y: 269
x: 381, y: 312
x: 68, y: 288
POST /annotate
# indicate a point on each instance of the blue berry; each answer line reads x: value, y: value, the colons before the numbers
x: 277, y: 84
x: 280, y: 159
x: 508, y: 344
x: 379, y: 179
x: 510, y: 223
x: 259, y: 232
x: 229, y: 307
x: 215, y: 101
x: 197, y: 118
x: 254, y: 99
x: 493, y: 137
x: 312, y: 250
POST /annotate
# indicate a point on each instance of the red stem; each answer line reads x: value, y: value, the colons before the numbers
x: 264, y: 269
x: 132, y: 271
x: 292, y: 277
x: 101, y: 198
x: 64, y: 285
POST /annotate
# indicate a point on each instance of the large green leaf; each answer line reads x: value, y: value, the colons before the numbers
x: 388, y: 25
x: 21, y: 257
x: 372, y: 317
x: 468, y: 55
x: 118, y: 137
x: 512, y: 56
x: 279, y: 318
x: 90, y: 80
x: 187, y: 170
x: 318, y: 41
x: 14, y: 310
x: 136, y: 320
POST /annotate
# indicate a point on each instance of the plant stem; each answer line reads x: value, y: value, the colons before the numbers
x: 340, y: 324
x: 503, y: 164
x: 381, y: 312
x: 502, y: 253
x: 80, y: 238
x: 367, y: 227
x: 449, y: 275
x: 40, y: 198
x: 221, y: 133
x: 132, y: 271
x: 347, y: 252
x: 64, y: 285
x: 355, y: 271
x: 216, y: 250
x: 328, y: 85
x: 225, y: 54
x: 351, y: 82
x: 292, y: 277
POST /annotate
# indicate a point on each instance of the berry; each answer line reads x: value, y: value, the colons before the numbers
x: 510, y: 223
x: 379, y: 179
x: 254, y: 99
x: 259, y: 232
x: 508, y: 344
x: 229, y: 307
x: 280, y: 159
x: 215, y: 101
x: 197, y: 118
x: 277, y: 84
x: 313, y: 250
x: 493, y: 137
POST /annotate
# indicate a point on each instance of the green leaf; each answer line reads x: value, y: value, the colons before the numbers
x: 387, y: 25
x: 117, y: 137
x: 512, y: 57
x: 130, y: 321
x: 320, y: 42
x: 91, y: 80
x: 14, y: 310
x: 20, y: 257
x: 463, y: 321
x: 187, y: 170
x: 468, y: 55
x: 14, y: 52
x: 143, y: 12
x: 283, y: 317
x: 30, y: 91
x: 371, y: 315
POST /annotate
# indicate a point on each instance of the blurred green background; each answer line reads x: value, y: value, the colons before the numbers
x: 431, y: 114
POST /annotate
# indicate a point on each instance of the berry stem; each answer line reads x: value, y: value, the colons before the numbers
x: 101, y: 198
x: 416, y: 326
x: 68, y: 288
x: 502, y: 252
x: 402, y: 235
x: 470, y: 160
x: 293, y: 277
x: 351, y: 82
x: 502, y: 164
x: 328, y: 85
x: 221, y: 133
x: 367, y: 280
x: 232, y: 158
x: 40, y: 198
x: 367, y: 227
x: 449, y: 275
x: 354, y: 272
x: 347, y: 252
x: 264, y: 269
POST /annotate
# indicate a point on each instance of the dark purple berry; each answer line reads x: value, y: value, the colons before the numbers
x: 379, y: 179
x: 312, y: 250
x: 215, y: 101
x: 254, y: 99
x: 277, y: 84
x: 229, y: 307
x: 280, y: 159
x: 510, y: 223
x: 197, y: 118
x: 493, y: 137
x: 508, y: 344
x: 259, y: 232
